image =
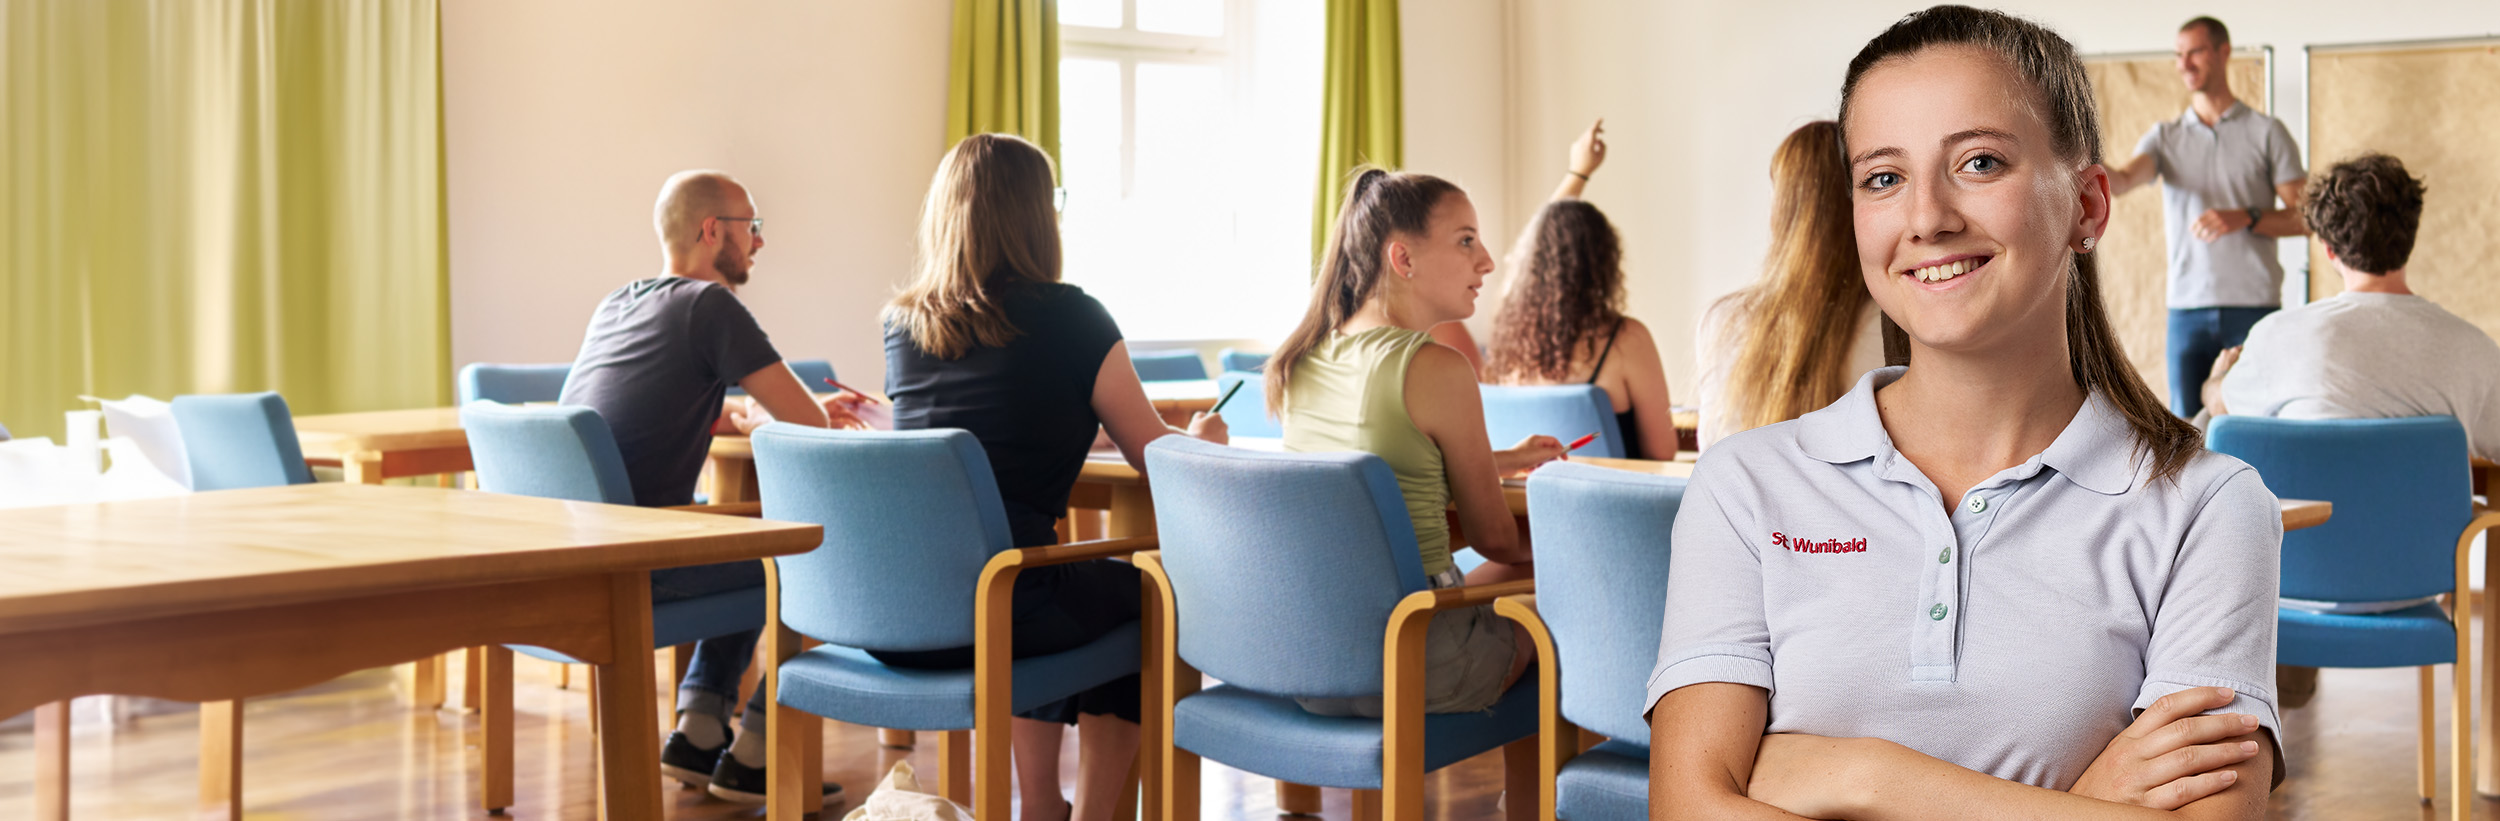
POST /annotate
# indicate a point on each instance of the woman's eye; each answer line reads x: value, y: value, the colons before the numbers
x: 1467, y: 242
x: 1982, y: 164
x: 1881, y: 180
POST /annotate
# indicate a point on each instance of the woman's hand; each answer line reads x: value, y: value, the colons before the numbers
x: 1209, y: 427
x: 1589, y: 151
x: 842, y: 411
x: 1814, y: 776
x: 1527, y: 455
x: 2171, y: 756
x: 748, y: 416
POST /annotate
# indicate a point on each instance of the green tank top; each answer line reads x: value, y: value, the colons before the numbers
x: 1349, y: 393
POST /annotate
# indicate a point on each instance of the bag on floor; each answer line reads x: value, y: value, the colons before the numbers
x: 899, y: 798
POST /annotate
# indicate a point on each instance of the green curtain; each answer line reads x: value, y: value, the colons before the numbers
x: 1003, y: 73
x: 204, y: 196
x: 1362, y: 119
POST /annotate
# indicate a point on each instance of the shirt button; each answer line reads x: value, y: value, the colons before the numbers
x: 1944, y: 556
x: 1936, y: 613
x: 1978, y: 503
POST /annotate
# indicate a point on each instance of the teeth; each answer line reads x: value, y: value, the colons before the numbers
x: 1940, y: 273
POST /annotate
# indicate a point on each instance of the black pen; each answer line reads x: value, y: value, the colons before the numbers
x: 1228, y: 396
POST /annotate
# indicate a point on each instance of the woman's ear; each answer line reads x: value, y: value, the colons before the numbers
x: 2092, y: 193
x: 1399, y: 260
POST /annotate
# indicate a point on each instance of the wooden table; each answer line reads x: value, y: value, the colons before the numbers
x: 215, y: 597
x: 377, y: 445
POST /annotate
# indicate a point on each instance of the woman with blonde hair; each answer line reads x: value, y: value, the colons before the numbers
x: 1792, y: 342
x: 1562, y: 319
x: 987, y: 338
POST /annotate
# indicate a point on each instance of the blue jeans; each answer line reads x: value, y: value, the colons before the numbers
x: 721, y: 660
x: 2197, y: 335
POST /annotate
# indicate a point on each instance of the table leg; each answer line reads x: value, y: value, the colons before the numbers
x: 221, y: 760
x: 494, y: 724
x: 629, y: 745
x: 425, y: 684
x: 731, y: 480
x: 52, y: 761
x: 362, y: 467
x: 1132, y: 512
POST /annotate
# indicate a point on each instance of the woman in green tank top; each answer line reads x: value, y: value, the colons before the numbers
x: 1362, y: 373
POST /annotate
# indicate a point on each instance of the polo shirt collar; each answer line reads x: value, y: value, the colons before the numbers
x: 2188, y: 116
x: 2096, y: 451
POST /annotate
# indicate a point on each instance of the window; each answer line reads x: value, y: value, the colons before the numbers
x: 1189, y: 147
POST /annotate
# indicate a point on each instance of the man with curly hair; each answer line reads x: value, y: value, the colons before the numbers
x: 2377, y: 350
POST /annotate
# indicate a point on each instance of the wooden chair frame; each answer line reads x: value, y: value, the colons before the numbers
x: 796, y: 771
x: 1400, y: 797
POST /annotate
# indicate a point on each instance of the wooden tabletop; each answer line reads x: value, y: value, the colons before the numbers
x: 337, y: 434
x: 74, y: 565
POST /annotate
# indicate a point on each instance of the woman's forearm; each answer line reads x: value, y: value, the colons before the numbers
x: 1876, y: 780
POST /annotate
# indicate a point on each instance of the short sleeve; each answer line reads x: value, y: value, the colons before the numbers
x: 2216, y: 622
x: 1089, y: 331
x: 1715, y: 629
x: 2284, y: 155
x: 2150, y: 146
x: 725, y: 336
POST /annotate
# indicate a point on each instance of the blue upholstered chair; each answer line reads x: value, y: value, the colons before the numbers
x: 567, y: 452
x: 1565, y: 412
x: 916, y: 557
x: 1291, y: 575
x: 1601, y: 566
x: 1167, y: 366
x: 1247, y: 414
x: 1233, y: 360
x: 812, y: 374
x: 511, y: 384
x: 2403, y: 522
x: 240, y: 440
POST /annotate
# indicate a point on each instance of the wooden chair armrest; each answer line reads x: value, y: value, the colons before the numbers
x: 1471, y: 595
x: 751, y: 510
x: 1072, y: 552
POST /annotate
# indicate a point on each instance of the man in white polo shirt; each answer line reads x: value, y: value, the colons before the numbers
x: 2221, y: 165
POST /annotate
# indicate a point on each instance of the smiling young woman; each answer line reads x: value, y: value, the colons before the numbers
x: 2045, y: 550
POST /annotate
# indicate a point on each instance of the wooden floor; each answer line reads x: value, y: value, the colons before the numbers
x: 346, y: 751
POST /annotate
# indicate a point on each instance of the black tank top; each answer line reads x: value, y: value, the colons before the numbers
x: 1624, y: 422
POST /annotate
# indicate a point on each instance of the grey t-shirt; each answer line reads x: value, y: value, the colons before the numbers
x: 658, y: 357
x: 2370, y: 356
x: 2232, y: 165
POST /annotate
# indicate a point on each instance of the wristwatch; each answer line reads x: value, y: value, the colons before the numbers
x: 2252, y: 219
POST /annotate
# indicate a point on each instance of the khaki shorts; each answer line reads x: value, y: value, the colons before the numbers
x: 1467, y: 654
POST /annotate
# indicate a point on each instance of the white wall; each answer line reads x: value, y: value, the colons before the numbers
x: 562, y: 117
x: 1696, y: 95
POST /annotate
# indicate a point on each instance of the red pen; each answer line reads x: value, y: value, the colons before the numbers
x: 1577, y: 443
x: 872, y: 399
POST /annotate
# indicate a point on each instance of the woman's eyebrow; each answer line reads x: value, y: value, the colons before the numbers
x: 1877, y: 153
x: 1975, y: 134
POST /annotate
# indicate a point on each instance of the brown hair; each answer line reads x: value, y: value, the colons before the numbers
x: 2047, y: 63
x: 1793, y: 355
x: 2366, y: 209
x: 1569, y: 290
x: 988, y: 221
x: 1378, y: 204
x: 2214, y: 30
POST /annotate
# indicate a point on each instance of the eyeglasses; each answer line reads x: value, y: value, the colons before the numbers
x: 755, y: 225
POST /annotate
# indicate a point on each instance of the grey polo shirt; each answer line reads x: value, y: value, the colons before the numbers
x: 2233, y: 165
x: 2015, y: 634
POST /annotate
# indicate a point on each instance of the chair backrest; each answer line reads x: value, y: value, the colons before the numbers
x: 910, y: 518
x: 1284, y: 566
x: 1247, y: 414
x: 2400, y: 489
x: 1167, y: 366
x: 1601, y: 580
x: 1565, y: 412
x: 240, y: 440
x: 511, y: 384
x: 556, y: 452
x: 1232, y: 360
x: 812, y: 373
